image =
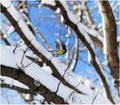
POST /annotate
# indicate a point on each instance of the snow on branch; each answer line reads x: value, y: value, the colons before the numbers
x: 118, y: 39
x: 71, y: 20
x: 10, y: 81
x: 50, y: 2
x: 33, y: 28
x: 110, y: 48
x: 37, y: 74
x: 40, y: 75
x: 38, y: 49
x: 58, y: 68
x: 105, y: 52
x: 16, y: 61
x: 30, y: 82
x: 25, y: 30
x: 3, y: 36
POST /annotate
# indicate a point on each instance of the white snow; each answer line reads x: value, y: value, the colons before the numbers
x: 12, y: 82
x: 70, y: 14
x: 32, y: 39
x: 60, y: 67
x: 31, y: 55
x: 28, y: 34
x: 57, y: 11
x: 11, y: 30
x: 92, y: 32
x: 37, y: 45
x: 88, y: 83
x: 5, y: 36
x: 22, y: 45
x: 89, y: 56
x: 82, y: 99
x: 105, y: 52
x: 72, y: 17
x: 4, y: 52
x: 61, y: 19
x: 45, y: 78
x: 47, y: 69
x: 87, y: 37
x: 83, y: 29
x: 118, y: 39
x: 13, y: 12
x: 50, y: 2
x: 38, y: 73
x: 75, y: 98
x: 64, y: 89
x: 67, y: 35
x: 32, y: 70
x: 77, y: 82
x: 26, y: 96
x: 26, y: 30
x: 101, y: 99
x: 105, y: 46
x: 75, y: 7
x: 105, y: 63
x: 6, y: 3
x: 41, y: 75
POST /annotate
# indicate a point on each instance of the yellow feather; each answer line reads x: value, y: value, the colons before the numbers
x: 59, y: 51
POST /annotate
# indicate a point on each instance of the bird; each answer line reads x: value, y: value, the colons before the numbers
x: 60, y: 47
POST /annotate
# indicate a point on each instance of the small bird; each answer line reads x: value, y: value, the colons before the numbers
x: 60, y: 47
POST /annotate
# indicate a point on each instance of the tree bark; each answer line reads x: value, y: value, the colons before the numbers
x: 92, y: 53
x: 39, y: 54
x: 111, y: 39
x: 28, y: 81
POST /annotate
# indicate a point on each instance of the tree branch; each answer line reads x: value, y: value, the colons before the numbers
x: 109, y: 25
x: 21, y: 90
x: 28, y: 81
x: 92, y: 53
x: 7, y: 41
x: 35, y: 50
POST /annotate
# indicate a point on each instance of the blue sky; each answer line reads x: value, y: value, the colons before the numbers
x: 45, y: 20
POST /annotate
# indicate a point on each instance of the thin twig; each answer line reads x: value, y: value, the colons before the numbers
x: 78, y: 83
x: 15, y: 48
x: 23, y: 56
x: 95, y: 97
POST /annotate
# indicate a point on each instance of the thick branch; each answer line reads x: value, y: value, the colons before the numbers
x: 39, y: 54
x: 111, y: 40
x: 97, y: 42
x: 93, y: 56
x: 28, y: 81
x: 21, y: 90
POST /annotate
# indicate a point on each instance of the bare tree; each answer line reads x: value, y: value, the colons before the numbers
x: 33, y: 63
